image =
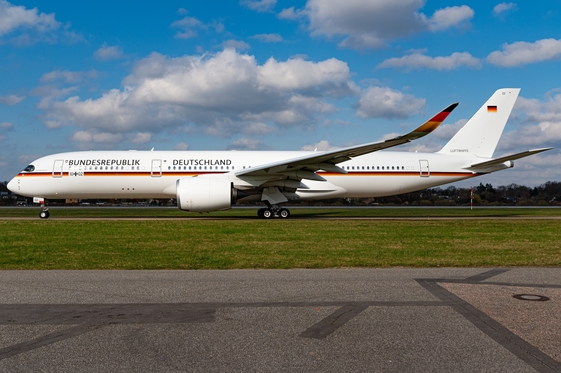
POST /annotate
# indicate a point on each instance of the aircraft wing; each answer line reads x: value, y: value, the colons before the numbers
x: 498, y: 161
x: 305, y: 167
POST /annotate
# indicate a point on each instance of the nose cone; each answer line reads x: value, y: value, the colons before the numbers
x: 13, y: 185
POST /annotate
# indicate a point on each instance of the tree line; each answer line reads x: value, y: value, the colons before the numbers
x: 548, y: 194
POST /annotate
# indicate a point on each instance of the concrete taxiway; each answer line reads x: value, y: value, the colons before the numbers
x: 353, y: 320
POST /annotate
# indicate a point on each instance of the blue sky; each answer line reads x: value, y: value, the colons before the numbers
x: 273, y: 75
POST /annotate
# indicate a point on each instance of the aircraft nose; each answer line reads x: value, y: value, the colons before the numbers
x: 13, y: 185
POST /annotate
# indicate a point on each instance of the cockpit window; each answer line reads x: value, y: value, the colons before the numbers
x: 29, y: 168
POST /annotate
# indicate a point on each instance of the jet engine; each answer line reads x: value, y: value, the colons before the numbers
x: 204, y: 194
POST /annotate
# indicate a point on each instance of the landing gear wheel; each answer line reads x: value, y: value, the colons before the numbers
x: 284, y: 213
x: 267, y: 214
x: 44, y: 214
x: 260, y: 212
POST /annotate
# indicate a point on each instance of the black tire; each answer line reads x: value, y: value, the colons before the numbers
x: 284, y: 213
x: 44, y: 214
x: 260, y: 212
x: 267, y: 214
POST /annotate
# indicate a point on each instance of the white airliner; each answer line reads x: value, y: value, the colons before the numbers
x: 203, y: 181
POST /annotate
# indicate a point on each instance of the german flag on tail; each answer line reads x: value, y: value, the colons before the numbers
x: 491, y: 109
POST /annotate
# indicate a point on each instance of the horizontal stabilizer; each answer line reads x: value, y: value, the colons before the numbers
x: 499, y: 161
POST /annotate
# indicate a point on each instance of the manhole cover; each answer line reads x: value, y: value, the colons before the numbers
x: 531, y: 297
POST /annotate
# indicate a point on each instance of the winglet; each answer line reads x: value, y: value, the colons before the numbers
x: 431, y: 124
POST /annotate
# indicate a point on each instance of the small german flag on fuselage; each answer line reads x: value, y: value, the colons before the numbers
x: 491, y: 109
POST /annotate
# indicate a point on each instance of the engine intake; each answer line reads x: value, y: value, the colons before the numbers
x: 204, y: 194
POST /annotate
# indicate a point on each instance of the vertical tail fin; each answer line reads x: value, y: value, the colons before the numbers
x: 481, y: 134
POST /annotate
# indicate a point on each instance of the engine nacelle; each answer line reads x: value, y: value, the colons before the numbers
x: 204, y: 194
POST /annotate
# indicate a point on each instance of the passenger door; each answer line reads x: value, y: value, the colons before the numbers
x: 57, y: 168
x: 425, y: 170
x: 156, y: 168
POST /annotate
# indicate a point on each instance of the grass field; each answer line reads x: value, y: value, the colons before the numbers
x: 416, y: 238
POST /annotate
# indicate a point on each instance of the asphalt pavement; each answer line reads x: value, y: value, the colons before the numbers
x: 333, y: 320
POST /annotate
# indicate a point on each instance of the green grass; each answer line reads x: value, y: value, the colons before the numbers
x: 158, y: 212
x: 295, y: 243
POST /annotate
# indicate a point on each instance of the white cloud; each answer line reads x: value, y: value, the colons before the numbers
x: 453, y: 16
x: 247, y: 144
x: 383, y: 102
x: 540, y: 124
x: 297, y: 73
x: 23, y: 27
x: 236, y: 44
x: 70, y: 77
x: 371, y: 24
x: 254, y: 127
x: 268, y: 38
x: 11, y: 100
x: 320, y: 146
x: 14, y: 18
x: 501, y: 8
x: 523, y: 53
x: 190, y: 26
x: 6, y: 126
x: 447, y: 131
x: 88, y: 137
x: 106, y: 53
x: 259, y: 5
x: 181, y: 146
x: 420, y: 61
x: 141, y: 138
x: 219, y: 94
x: 290, y: 13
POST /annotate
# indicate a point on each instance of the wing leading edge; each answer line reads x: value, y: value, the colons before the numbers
x: 305, y: 167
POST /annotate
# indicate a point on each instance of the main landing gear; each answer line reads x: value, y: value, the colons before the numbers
x: 273, y: 211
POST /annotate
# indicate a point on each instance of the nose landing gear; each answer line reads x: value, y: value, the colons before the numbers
x: 44, y: 214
